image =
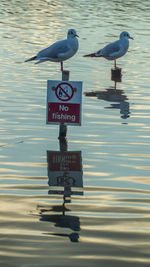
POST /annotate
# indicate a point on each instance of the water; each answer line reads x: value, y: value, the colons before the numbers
x: 107, y: 221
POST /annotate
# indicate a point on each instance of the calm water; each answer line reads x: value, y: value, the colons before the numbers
x: 107, y: 220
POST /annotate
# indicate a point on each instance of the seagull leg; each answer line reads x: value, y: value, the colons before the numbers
x: 61, y: 66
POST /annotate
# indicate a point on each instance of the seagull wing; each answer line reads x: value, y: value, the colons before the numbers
x: 111, y: 49
x: 53, y: 51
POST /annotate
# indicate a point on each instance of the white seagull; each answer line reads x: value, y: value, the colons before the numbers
x: 114, y: 50
x: 59, y: 51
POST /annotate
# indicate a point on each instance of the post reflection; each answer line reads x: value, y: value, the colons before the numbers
x: 65, y: 178
x: 117, y: 96
x: 61, y: 221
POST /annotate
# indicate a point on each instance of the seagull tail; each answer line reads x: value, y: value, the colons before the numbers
x: 31, y: 58
x: 42, y: 60
x: 97, y: 54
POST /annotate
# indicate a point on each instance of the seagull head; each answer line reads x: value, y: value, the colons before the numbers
x: 72, y: 33
x: 125, y: 35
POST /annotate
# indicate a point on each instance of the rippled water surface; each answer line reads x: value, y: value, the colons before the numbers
x: 106, y: 221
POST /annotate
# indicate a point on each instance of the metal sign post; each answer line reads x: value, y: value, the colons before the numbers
x: 62, y: 126
x: 64, y: 100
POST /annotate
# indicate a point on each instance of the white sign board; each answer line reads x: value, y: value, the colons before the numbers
x: 64, y: 100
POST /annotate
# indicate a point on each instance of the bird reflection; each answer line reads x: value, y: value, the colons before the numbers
x: 112, y: 94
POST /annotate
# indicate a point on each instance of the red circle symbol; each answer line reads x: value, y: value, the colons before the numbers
x: 64, y: 91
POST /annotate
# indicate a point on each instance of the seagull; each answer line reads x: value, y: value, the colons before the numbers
x: 59, y: 51
x: 114, y: 50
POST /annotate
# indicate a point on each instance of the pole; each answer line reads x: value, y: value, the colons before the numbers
x: 63, y: 141
x: 116, y: 74
x: 62, y: 126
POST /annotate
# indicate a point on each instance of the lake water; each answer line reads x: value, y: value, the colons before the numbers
x: 106, y: 222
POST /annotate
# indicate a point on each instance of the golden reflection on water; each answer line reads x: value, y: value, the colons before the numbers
x: 29, y: 164
x: 136, y: 155
x: 87, y: 142
x: 97, y: 174
x: 113, y: 260
x: 107, y: 223
x: 103, y: 227
x: 135, y: 179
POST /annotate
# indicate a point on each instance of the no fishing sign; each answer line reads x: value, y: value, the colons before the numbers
x: 64, y: 100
